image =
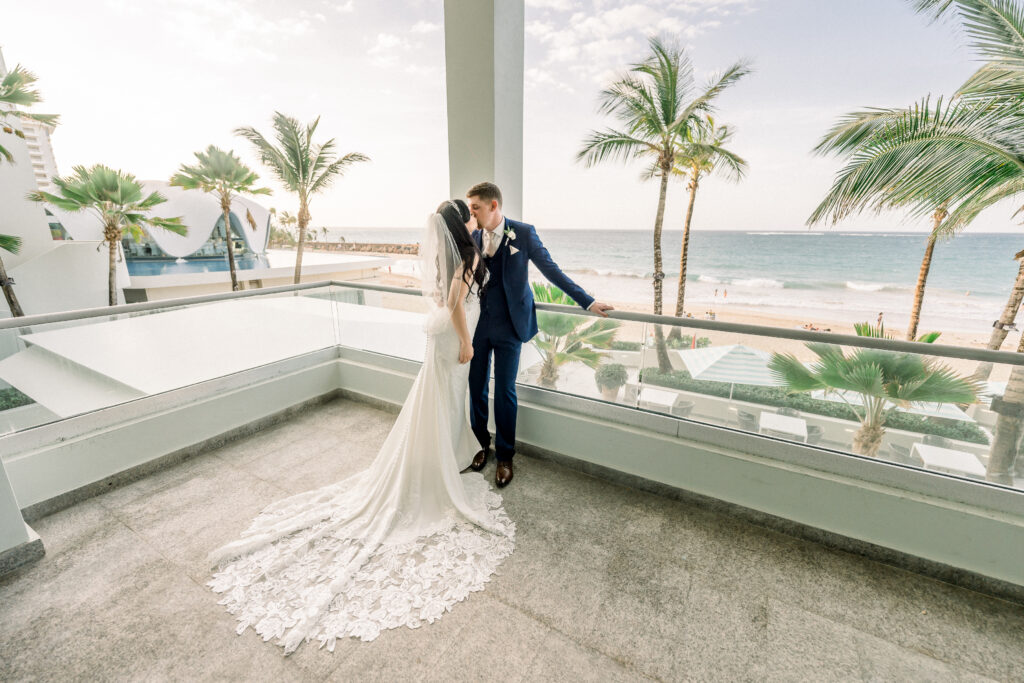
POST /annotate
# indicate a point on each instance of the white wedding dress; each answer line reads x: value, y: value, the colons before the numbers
x: 395, y: 545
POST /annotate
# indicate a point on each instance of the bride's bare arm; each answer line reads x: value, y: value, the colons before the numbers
x: 458, y: 292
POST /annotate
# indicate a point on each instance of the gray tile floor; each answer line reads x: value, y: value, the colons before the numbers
x: 606, y: 584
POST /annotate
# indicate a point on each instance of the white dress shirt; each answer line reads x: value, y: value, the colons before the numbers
x: 492, y: 238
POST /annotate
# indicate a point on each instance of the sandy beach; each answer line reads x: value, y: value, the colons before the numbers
x: 737, y: 314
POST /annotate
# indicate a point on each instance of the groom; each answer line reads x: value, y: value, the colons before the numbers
x: 508, y: 319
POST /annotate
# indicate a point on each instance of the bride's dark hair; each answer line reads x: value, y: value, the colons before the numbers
x: 456, y: 214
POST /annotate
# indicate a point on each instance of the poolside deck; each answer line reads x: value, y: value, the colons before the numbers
x: 606, y: 583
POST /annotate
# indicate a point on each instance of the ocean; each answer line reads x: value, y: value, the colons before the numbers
x: 811, y: 276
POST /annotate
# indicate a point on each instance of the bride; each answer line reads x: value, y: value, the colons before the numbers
x: 403, y: 541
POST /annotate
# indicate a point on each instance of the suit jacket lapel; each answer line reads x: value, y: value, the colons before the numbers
x: 503, y: 244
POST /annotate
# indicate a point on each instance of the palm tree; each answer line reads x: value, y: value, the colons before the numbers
x: 883, y: 380
x: 972, y: 155
x: 996, y: 28
x: 16, y: 90
x: 865, y: 139
x: 118, y: 200
x: 288, y: 220
x: 567, y: 338
x: 323, y: 232
x: 950, y: 162
x: 657, y: 102
x: 702, y: 154
x: 223, y: 174
x: 302, y: 166
x: 13, y: 245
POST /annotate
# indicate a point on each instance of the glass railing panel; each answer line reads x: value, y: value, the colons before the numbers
x: 662, y: 388
x: 972, y: 427
x: 908, y: 408
x: 389, y: 323
x: 61, y: 369
x: 583, y: 355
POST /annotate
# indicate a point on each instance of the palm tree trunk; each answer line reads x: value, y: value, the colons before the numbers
x: 8, y: 287
x: 868, y: 439
x: 225, y: 205
x: 681, y: 294
x: 303, y: 222
x: 1007, y: 432
x: 922, y: 278
x: 982, y: 372
x: 548, y: 372
x: 659, y: 220
x: 664, y: 364
x: 112, y: 242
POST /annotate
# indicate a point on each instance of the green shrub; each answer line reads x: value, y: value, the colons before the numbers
x: 610, y: 376
x: 686, y: 342
x: 625, y: 346
x: 776, y: 396
x: 12, y: 398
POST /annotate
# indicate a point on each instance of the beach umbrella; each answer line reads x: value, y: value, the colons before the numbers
x: 733, y: 363
x: 947, y: 411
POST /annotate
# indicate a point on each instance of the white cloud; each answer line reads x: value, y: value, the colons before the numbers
x: 388, y: 49
x: 346, y: 7
x: 559, y: 5
x: 425, y: 27
x: 603, y: 36
x: 312, y: 16
x: 226, y: 32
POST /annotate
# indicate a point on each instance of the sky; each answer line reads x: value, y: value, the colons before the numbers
x: 141, y: 85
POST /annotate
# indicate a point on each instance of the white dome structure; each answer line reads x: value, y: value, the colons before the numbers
x: 200, y: 211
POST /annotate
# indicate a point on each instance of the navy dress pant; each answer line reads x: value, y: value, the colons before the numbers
x: 505, y: 349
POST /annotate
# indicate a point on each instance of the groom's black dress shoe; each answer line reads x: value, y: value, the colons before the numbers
x: 503, y: 475
x: 479, y: 461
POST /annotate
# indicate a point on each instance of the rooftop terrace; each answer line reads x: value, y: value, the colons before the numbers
x: 606, y: 583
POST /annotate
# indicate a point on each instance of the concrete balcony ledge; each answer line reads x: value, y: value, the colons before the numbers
x: 607, y: 582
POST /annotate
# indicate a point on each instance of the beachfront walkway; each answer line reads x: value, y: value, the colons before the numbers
x: 606, y: 583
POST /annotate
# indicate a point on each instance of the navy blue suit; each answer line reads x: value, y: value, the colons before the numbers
x: 508, y: 319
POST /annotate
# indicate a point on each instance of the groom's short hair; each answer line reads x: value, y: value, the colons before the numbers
x: 485, y: 191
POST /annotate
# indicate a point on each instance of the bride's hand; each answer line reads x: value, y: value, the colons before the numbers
x: 465, y: 351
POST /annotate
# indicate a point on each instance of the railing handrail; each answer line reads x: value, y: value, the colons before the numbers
x: 63, y: 316
x: 940, y: 350
x: 944, y: 350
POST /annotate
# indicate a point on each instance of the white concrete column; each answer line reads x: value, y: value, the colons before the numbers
x: 13, y: 530
x: 484, y: 72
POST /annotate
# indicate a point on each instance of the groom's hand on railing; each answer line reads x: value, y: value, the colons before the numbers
x: 600, y: 308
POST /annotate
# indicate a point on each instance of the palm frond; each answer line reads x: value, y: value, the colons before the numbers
x: 996, y: 29
x: 11, y: 243
x: 924, y: 157
x: 612, y: 144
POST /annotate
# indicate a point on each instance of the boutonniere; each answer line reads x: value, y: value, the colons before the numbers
x: 510, y: 234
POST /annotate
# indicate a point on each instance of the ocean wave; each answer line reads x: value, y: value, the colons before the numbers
x: 786, y: 232
x: 611, y: 272
x: 759, y: 282
x: 875, y: 287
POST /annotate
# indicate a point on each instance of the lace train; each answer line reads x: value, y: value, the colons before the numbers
x: 395, y: 545
x: 282, y: 590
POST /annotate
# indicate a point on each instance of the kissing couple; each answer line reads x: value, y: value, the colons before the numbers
x: 400, y: 543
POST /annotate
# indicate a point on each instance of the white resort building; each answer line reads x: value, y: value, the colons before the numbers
x: 165, y: 266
